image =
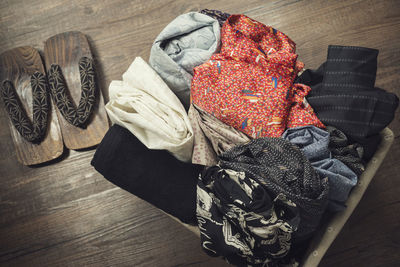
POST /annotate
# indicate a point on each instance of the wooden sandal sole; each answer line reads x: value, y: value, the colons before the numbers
x: 66, y: 50
x: 17, y: 66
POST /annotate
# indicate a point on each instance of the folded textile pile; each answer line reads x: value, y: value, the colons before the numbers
x: 270, y: 167
x: 144, y: 104
x: 249, y: 84
x: 314, y: 143
x: 123, y: 160
x: 188, y: 41
x: 281, y: 168
x: 212, y: 137
x: 239, y: 220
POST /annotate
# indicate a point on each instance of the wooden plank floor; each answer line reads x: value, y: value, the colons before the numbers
x: 66, y: 214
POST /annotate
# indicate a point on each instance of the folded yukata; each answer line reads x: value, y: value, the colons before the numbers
x: 314, y: 142
x: 170, y: 186
x: 249, y: 84
x: 281, y: 168
x: 212, y: 137
x: 186, y: 42
x: 240, y: 221
x: 143, y: 104
x: 343, y: 93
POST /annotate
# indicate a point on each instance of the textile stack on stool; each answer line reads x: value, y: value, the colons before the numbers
x: 264, y: 165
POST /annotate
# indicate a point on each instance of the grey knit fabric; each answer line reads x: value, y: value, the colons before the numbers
x: 186, y: 42
x: 282, y: 168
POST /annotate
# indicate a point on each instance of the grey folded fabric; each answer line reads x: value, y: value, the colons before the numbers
x: 314, y: 143
x: 212, y: 137
x: 281, y: 168
x: 186, y: 42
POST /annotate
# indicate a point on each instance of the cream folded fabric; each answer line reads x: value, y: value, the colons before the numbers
x: 144, y: 104
x: 212, y: 137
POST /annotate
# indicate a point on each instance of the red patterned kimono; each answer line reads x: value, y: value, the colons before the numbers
x: 249, y: 84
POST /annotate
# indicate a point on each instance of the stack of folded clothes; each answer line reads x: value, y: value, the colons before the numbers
x: 221, y: 132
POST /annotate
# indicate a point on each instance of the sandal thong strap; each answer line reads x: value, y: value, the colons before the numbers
x: 32, y: 132
x: 58, y: 90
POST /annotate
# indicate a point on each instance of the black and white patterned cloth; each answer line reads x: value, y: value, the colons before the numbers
x: 77, y: 116
x: 348, y: 152
x: 32, y: 131
x: 281, y: 168
x: 239, y: 220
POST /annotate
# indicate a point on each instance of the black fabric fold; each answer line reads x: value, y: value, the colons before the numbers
x: 153, y: 175
x: 281, y: 168
x: 343, y: 95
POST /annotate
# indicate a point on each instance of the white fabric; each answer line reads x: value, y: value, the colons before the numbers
x: 144, y: 104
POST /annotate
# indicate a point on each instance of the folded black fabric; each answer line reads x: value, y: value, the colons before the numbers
x: 281, y: 168
x: 153, y: 175
x: 343, y: 93
x: 350, y: 153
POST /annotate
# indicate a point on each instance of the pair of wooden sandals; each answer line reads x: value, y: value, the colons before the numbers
x: 28, y: 89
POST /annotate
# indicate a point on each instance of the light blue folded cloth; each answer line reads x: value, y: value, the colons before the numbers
x: 314, y: 142
x: 188, y: 41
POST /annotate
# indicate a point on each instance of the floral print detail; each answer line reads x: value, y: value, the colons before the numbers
x: 31, y: 131
x: 249, y: 84
x: 76, y: 116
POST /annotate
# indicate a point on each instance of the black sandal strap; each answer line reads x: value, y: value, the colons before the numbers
x: 88, y: 85
x: 32, y: 132
x: 58, y: 89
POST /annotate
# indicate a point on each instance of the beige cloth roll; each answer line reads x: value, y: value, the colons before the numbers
x: 212, y: 137
x: 144, y: 104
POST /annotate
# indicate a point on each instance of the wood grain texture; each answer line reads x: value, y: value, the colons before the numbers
x: 66, y: 49
x: 66, y: 214
x: 17, y: 65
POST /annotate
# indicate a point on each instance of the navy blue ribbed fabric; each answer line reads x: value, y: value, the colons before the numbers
x: 343, y: 95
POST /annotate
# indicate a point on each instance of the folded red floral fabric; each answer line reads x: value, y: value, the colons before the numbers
x: 249, y: 84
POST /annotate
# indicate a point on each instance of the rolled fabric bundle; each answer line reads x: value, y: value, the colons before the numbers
x: 186, y: 42
x: 240, y: 221
x: 350, y: 153
x: 282, y: 168
x: 313, y: 142
x: 212, y: 137
x: 216, y: 14
x: 249, y: 84
x: 143, y: 104
x: 170, y: 185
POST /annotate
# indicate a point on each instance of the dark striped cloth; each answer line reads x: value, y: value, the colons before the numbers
x: 343, y: 93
